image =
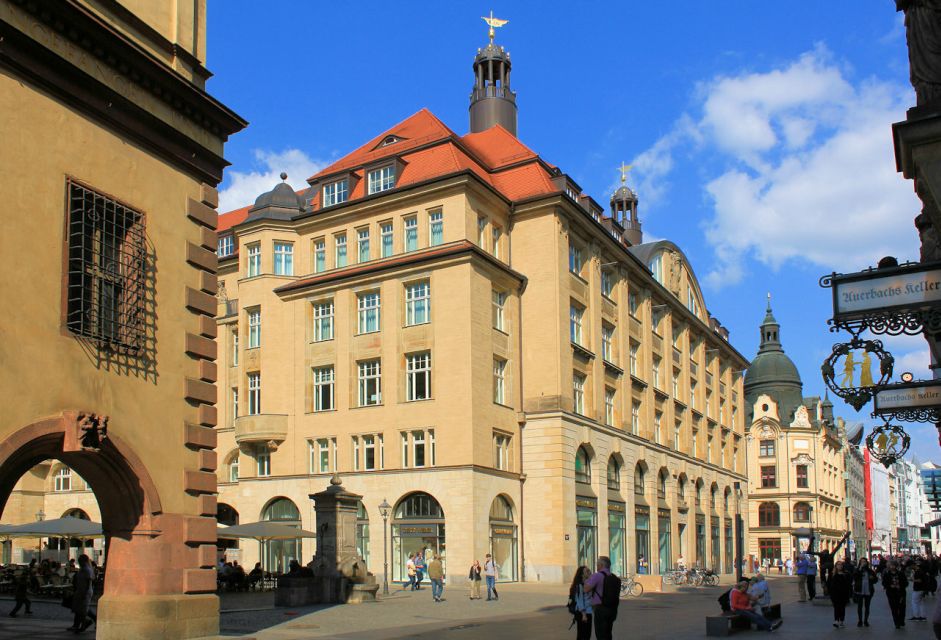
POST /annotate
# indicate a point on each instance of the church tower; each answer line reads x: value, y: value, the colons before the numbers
x: 624, y: 210
x: 492, y: 102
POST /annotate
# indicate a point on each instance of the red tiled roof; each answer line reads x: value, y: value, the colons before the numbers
x: 427, y: 148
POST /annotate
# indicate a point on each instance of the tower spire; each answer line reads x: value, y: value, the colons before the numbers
x: 624, y: 208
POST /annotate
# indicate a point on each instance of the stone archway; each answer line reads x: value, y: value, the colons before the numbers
x: 148, y: 560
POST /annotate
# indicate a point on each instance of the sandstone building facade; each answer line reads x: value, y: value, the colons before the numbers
x: 453, y: 326
x: 795, y: 457
x: 111, y: 154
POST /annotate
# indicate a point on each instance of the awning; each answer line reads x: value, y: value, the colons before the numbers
x: 934, y: 523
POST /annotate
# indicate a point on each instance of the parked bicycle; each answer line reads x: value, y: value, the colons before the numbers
x: 630, y: 586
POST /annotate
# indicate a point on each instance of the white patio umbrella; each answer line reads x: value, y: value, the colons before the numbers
x: 263, y: 532
x: 66, y: 527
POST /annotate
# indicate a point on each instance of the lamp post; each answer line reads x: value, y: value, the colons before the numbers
x: 384, y: 509
x: 739, y: 532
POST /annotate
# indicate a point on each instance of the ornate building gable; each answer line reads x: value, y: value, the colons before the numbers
x: 802, y: 419
x: 766, y: 407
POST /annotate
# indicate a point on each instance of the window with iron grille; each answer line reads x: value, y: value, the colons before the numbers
x: 107, y: 264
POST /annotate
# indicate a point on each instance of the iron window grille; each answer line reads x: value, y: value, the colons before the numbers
x: 106, y: 270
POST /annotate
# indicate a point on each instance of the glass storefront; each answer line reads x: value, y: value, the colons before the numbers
x: 664, y: 548
x: 617, y: 537
x: 586, y: 529
x: 701, y: 541
x: 277, y: 554
x: 642, y: 539
x: 716, y: 564
x: 417, y: 527
x: 503, y: 538
x: 729, y: 546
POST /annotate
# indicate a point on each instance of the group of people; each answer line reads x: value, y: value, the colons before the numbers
x: 231, y: 576
x: 423, y: 562
x: 593, y: 600
x: 857, y: 581
x: 82, y: 576
x: 489, y: 573
x: 751, y: 599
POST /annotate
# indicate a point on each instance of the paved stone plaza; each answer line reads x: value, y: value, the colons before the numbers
x: 523, y: 611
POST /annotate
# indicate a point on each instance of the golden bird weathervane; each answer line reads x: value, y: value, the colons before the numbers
x: 624, y: 169
x: 492, y: 23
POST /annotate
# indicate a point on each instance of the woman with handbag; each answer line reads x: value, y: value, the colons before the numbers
x: 474, y: 577
x: 864, y: 586
x: 580, y: 604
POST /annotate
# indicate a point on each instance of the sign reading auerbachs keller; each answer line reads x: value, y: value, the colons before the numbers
x: 910, y: 287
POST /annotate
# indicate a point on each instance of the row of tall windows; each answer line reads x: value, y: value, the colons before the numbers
x: 369, y: 382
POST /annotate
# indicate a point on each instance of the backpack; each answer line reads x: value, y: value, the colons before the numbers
x: 611, y: 595
x: 725, y: 600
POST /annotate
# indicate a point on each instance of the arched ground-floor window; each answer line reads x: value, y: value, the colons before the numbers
x: 417, y: 527
x: 503, y: 544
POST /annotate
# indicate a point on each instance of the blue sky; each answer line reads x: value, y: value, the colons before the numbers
x: 760, y: 132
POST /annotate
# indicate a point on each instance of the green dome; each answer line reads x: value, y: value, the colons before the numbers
x: 773, y: 373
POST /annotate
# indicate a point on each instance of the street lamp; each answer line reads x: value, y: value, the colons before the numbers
x: 739, y: 532
x: 384, y: 509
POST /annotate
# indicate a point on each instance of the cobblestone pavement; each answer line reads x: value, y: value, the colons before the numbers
x: 523, y: 611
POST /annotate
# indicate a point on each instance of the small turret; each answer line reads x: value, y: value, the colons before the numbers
x: 624, y: 209
x: 492, y: 102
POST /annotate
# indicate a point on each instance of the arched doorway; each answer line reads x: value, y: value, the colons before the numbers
x: 417, y: 525
x: 503, y: 537
x: 277, y: 554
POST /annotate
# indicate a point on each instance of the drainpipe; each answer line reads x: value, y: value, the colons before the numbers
x: 521, y: 421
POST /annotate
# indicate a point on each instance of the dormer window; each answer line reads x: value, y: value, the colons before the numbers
x: 226, y: 246
x: 381, y: 179
x: 336, y: 192
x: 389, y: 140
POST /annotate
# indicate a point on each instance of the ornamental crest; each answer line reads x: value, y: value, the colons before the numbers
x: 802, y: 458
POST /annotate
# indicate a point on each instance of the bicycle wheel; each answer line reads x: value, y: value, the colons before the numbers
x: 668, y: 578
x: 679, y: 578
x: 637, y: 589
x: 712, y: 581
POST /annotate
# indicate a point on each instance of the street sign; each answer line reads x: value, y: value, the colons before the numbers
x: 925, y: 394
x: 892, y: 300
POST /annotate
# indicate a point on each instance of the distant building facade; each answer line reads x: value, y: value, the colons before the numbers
x: 881, y: 521
x: 795, y: 456
x: 855, y: 493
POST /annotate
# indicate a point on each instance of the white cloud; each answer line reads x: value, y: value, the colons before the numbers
x: 800, y: 167
x: 245, y: 186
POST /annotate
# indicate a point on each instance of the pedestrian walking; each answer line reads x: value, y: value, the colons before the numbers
x: 20, y: 588
x: 420, y: 568
x: 581, y: 601
x: 811, y: 576
x: 802, y: 578
x: 412, y: 572
x: 82, y: 591
x: 789, y: 565
x: 605, y: 590
x: 840, y: 587
x: 436, y: 575
x: 474, y: 577
x: 895, y: 583
x: 490, y: 573
x: 864, y: 586
x: 920, y: 579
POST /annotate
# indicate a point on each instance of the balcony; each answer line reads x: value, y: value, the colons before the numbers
x: 262, y: 427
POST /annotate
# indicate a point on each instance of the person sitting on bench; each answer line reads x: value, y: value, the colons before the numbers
x: 742, y: 605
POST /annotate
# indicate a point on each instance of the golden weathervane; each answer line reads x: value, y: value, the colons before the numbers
x: 624, y: 169
x: 492, y: 23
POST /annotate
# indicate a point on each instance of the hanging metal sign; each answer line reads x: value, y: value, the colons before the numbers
x: 891, y: 300
x: 909, y: 401
x: 888, y: 443
x: 852, y: 362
